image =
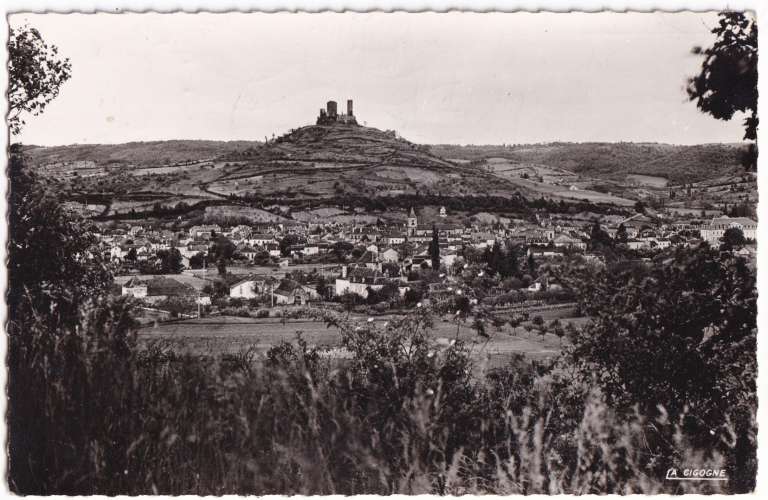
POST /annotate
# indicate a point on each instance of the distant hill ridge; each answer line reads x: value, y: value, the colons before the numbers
x: 137, y: 153
x: 614, y: 161
x: 311, y: 163
x: 602, y: 160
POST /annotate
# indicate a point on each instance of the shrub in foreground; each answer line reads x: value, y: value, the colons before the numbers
x: 401, y: 416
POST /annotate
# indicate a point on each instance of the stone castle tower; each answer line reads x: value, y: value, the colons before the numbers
x: 330, y: 114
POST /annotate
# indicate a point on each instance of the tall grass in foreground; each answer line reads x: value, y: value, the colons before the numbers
x: 90, y: 412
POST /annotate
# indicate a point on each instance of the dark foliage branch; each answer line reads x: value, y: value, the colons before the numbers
x: 35, y: 74
x: 727, y: 83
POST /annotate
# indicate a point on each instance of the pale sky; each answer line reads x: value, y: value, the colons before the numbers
x: 459, y: 78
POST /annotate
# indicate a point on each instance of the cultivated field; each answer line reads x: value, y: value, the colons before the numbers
x: 226, y: 334
x: 186, y: 278
x: 253, y: 214
x: 647, y: 180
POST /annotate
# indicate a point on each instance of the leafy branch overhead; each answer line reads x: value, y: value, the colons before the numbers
x: 727, y: 83
x: 35, y: 74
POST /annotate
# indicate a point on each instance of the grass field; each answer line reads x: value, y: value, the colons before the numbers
x: 647, y: 180
x: 226, y: 334
x: 188, y: 279
x: 694, y: 211
x: 254, y: 214
x: 511, y: 171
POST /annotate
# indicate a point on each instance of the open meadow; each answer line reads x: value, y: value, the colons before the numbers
x: 230, y: 335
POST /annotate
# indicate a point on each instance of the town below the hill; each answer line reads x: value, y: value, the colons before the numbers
x: 279, y: 274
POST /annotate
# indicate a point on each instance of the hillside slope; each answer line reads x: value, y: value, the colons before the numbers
x: 614, y: 161
x: 325, y: 160
x: 136, y: 153
x: 313, y: 163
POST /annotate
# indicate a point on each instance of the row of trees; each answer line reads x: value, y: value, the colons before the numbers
x: 498, y: 204
x: 641, y: 350
x: 165, y: 261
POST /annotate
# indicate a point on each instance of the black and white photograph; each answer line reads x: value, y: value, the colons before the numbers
x: 375, y: 253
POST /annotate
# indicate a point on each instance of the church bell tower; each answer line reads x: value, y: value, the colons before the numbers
x: 413, y: 223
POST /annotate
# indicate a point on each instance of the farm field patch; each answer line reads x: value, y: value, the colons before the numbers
x: 224, y: 334
x: 254, y: 214
x: 195, y: 282
x: 647, y: 180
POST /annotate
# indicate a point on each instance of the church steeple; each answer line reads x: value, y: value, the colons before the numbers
x: 413, y: 222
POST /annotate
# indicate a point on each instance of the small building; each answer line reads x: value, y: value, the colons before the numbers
x: 248, y: 252
x: 247, y: 288
x: 274, y: 250
x: 193, y: 249
x: 369, y: 260
x: 292, y: 292
x: 261, y: 239
x: 715, y: 230
x: 637, y: 244
x: 311, y: 249
x: 204, y: 231
x: 535, y: 286
x: 394, y: 238
x: 389, y: 255
x: 565, y: 241
x: 135, y: 288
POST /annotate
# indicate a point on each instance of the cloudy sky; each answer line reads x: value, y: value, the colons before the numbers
x: 435, y: 78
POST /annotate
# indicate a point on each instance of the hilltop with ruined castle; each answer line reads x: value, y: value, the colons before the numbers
x: 330, y: 114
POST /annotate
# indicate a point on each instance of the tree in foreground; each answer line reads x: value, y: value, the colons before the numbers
x: 727, y: 82
x: 62, y: 333
x: 733, y: 237
x: 197, y: 261
x: 434, y: 250
x: 35, y: 74
x: 170, y: 261
x: 599, y: 238
x: 621, y: 234
x: 641, y: 349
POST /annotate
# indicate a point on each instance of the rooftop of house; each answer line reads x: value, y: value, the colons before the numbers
x: 368, y: 257
x: 133, y: 283
x: 247, y: 279
x: 287, y: 287
x: 562, y: 237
